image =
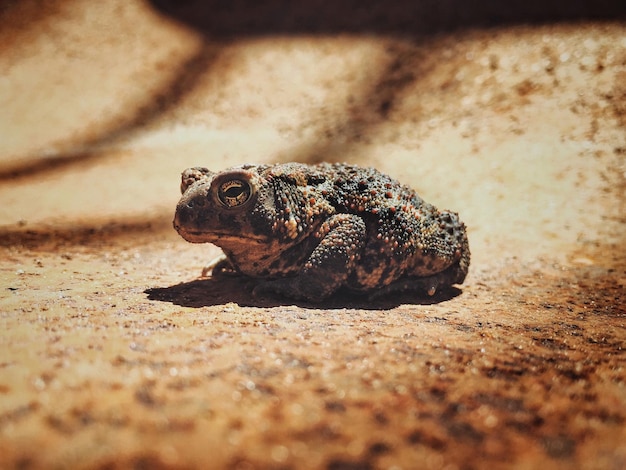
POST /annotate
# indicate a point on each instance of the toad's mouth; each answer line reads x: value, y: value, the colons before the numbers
x: 201, y: 236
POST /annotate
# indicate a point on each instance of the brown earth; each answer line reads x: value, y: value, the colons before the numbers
x: 114, y: 355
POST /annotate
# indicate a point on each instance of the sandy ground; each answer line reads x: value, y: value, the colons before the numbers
x: 114, y: 355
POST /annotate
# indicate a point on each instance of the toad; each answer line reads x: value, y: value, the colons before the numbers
x: 306, y: 231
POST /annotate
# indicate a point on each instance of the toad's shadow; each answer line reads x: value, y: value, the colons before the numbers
x: 222, y: 290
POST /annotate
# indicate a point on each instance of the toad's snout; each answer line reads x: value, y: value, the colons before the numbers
x: 188, y: 215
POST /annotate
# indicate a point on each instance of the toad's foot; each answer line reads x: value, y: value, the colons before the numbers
x: 219, y: 266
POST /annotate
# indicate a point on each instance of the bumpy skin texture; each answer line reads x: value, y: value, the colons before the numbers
x: 308, y: 230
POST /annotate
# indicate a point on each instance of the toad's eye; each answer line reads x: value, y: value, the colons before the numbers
x: 234, y: 193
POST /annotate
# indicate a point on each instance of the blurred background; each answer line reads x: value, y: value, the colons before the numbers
x: 104, y: 104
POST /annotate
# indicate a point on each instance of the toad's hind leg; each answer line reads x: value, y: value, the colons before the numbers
x: 330, y: 264
x: 447, y: 258
x: 428, y: 285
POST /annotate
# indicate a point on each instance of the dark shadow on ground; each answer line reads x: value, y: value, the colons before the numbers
x: 235, y: 289
x: 47, y: 165
x: 224, y: 19
x: 86, y: 234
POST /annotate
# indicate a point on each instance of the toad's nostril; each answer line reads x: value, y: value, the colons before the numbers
x: 197, y: 202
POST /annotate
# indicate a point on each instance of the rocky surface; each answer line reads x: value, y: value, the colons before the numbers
x: 113, y: 354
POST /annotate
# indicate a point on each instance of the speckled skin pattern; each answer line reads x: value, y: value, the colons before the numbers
x: 308, y: 230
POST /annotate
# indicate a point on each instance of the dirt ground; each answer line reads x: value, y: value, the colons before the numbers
x: 113, y: 354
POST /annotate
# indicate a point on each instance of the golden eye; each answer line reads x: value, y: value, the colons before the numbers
x: 234, y: 193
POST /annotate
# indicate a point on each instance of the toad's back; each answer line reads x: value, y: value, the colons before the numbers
x: 406, y: 236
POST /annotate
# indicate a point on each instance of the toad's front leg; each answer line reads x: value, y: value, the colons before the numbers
x: 330, y: 264
x: 219, y: 266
